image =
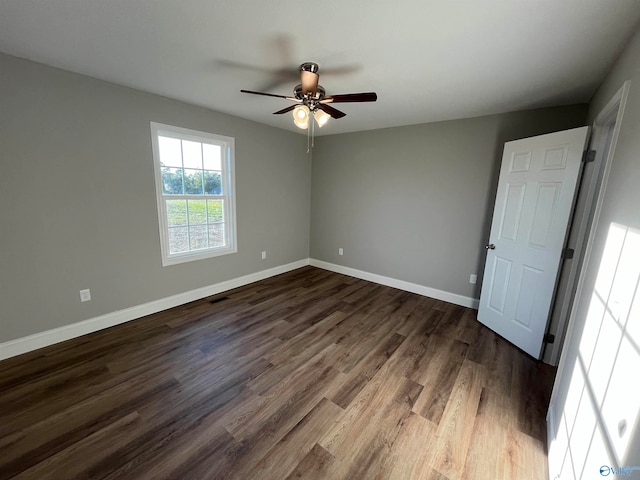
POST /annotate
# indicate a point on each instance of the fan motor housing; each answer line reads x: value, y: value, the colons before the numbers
x: 320, y: 92
x: 309, y: 67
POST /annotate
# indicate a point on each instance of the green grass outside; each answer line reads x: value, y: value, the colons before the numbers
x: 199, y: 212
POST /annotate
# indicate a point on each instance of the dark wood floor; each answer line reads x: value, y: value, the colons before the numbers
x: 308, y: 375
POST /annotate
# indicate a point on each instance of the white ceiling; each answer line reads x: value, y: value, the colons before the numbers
x: 427, y: 60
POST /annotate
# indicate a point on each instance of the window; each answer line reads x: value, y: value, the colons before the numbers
x: 195, y: 188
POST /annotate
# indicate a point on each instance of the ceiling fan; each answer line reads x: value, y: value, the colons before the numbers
x: 311, y: 99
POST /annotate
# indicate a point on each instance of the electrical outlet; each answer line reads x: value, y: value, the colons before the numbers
x: 340, y: 251
x: 85, y: 295
x: 264, y: 255
x: 473, y: 278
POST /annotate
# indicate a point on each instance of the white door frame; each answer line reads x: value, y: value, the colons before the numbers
x: 604, y: 134
x: 617, y: 102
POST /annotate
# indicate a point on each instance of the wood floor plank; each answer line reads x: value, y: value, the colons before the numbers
x: 366, y: 369
x: 120, y: 389
x: 314, y: 466
x: 490, y: 428
x: 296, y: 444
x: 407, y: 459
x: 367, y: 440
x: 456, y: 426
x: 496, y: 425
x: 411, y: 314
x: 356, y: 346
x: 309, y: 374
x: 302, y: 389
x: 529, y: 389
x: 357, y: 408
x: 33, y: 444
x: 184, y: 455
x: 437, y: 370
x: 71, y: 459
x: 207, y: 454
x: 525, y: 454
x: 263, y: 435
x: 370, y: 408
x: 313, y: 339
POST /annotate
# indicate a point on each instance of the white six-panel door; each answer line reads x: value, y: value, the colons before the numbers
x: 533, y: 204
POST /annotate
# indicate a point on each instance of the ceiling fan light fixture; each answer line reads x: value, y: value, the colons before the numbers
x: 311, y: 99
x: 301, y: 116
x: 321, y: 117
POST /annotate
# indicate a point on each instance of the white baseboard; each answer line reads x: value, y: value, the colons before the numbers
x: 67, y: 332
x: 551, y: 423
x: 461, y: 300
x: 551, y: 435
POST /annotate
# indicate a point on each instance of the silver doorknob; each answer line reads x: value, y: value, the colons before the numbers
x: 491, y: 246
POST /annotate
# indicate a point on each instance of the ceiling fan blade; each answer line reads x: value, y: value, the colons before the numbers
x: 343, y: 70
x: 244, y: 66
x: 334, y: 112
x: 309, y: 81
x: 285, y: 110
x: 279, y: 80
x: 351, y: 97
x: 269, y: 95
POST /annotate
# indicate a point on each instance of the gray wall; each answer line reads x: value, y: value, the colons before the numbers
x: 415, y: 203
x: 78, y: 204
x: 621, y: 205
x: 77, y: 198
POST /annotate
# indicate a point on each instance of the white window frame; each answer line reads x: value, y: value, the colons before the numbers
x: 227, y: 145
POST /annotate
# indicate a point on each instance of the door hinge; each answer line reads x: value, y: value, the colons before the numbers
x: 568, y: 253
x: 549, y: 338
x: 588, y: 156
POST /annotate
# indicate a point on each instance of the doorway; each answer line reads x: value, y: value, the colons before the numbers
x: 591, y: 413
x: 592, y: 178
